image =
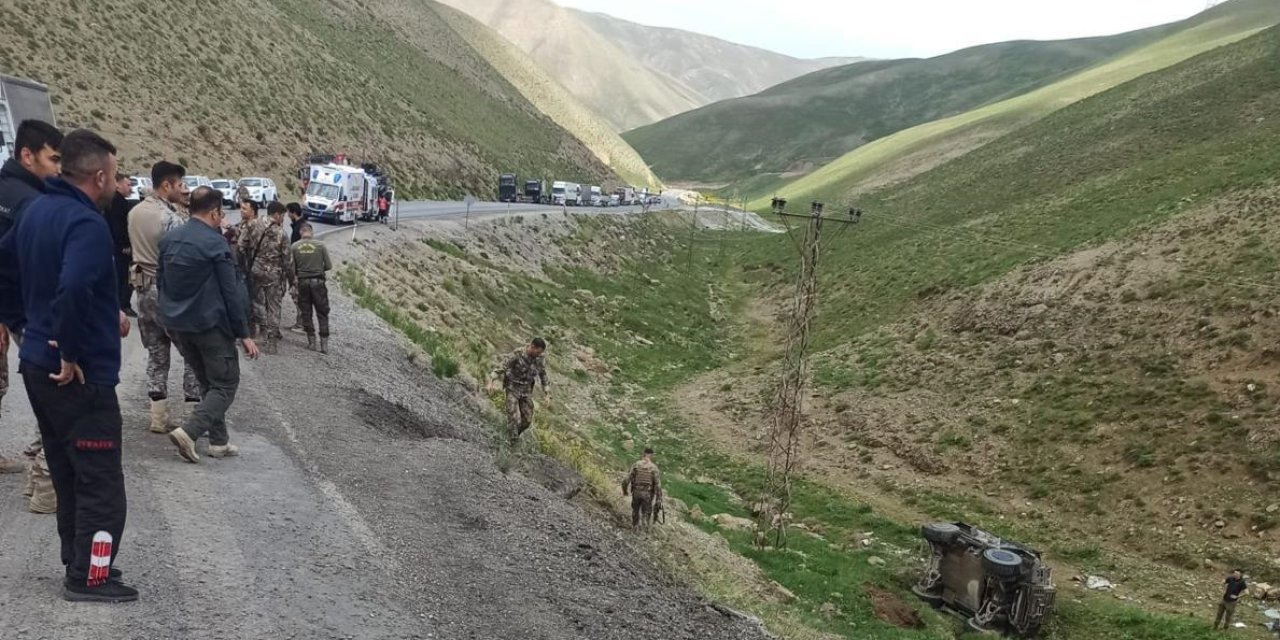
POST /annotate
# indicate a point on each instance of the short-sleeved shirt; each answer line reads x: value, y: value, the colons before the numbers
x: 1235, y: 587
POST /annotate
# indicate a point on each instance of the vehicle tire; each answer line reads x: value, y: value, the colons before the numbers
x: 978, y: 629
x: 1002, y: 563
x: 940, y: 532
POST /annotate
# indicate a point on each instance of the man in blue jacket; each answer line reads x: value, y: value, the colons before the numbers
x: 35, y: 157
x: 205, y: 306
x: 57, y: 284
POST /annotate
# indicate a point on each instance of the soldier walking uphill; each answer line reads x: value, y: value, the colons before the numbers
x: 519, y: 373
x: 645, y: 484
x: 264, y: 247
x: 311, y: 260
x: 148, y: 222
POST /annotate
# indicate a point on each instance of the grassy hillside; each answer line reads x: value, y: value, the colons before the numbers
x: 912, y: 151
x: 614, y: 85
x: 242, y: 88
x: 717, y: 70
x: 814, y: 119
x: 547, y: 95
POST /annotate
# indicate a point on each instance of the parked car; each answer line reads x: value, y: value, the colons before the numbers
x: 140, y: 188
x: 261, y: 190
x: 614, y: 200
x: 228, y: 189
x: 999, y: 585
x: 196, y: 181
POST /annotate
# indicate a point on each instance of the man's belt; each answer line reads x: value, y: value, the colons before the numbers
x: 320, y: 277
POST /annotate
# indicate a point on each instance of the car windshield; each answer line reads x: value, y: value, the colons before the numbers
x: 221, y: 184
x: 251, y: 182
x: 326, y: 191
x: 191, y: 181
x: 557, y: 190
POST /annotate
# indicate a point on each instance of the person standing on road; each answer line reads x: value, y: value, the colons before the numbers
x: 118, y: 220
x: 384, y: 208
x: 35, y: 159
x: 1235, y: 585
x: 148, y: 222
x: 271, y: 269
x: 645, y: 484
x: 311, y: 261
x: 57, y: 283
x: 246, y: 236
x: 295, y: 234
x: 519, y: 373
x: 203, y: 302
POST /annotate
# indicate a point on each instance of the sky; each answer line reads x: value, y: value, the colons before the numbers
x: 893, y: 28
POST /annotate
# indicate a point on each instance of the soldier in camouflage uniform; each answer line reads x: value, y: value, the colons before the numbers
x: 645, y: 482
x: 519, y: 373
x: 265, y: 247
x: 249, y: 222
x: 148, y: 222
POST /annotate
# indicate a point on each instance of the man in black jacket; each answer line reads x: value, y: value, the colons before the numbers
x: 35, y: 158
x: 118, y: 221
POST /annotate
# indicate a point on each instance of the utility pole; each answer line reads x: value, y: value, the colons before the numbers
x: 693, y: 230
x: 786, y: 409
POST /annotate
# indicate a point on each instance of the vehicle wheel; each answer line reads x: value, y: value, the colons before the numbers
x: 940, y: 532
x: 979, y: 629
x: 932, y: 599
x: 1002, y: 563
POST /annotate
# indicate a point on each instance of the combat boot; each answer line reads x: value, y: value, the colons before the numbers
x: 160, y: 416
x: 223, y: 451
x: 29, y: 489
x: 311, y: 342
x: 324, y: 345
x: 12, y: 465
x: 43, y: 498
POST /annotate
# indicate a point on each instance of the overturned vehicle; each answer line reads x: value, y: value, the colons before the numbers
x: 1000, y: 586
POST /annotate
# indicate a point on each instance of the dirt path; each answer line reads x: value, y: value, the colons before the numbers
x: 364, y: 506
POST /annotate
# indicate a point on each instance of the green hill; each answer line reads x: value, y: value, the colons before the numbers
x: 817, y: 118
x: 245, y: 89
x: 630, y: 74
x: 912, y: 151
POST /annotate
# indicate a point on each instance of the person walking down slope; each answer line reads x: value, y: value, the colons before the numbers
x: 57, y: 281
x: 35, y: 159
x: 311, y: 261
x: 203, y: 302
x: 519, y: 373
x: 1234, y: 586
x: 148, y: 222
x: 645, y: 484
x: 271, y: 270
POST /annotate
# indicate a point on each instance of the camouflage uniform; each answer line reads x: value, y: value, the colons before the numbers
x: 265, y: 246
x: 645, y: 483
x: 518, y: 377
x: 143, y: 278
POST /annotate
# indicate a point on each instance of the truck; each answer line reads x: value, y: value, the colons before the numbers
x: 568, y: 194
x: 507, y: 189
x: 536, y: 191
x: 626, y: 196
x: 595, y: 197
x: 20, y: 100
x: 340, y: 194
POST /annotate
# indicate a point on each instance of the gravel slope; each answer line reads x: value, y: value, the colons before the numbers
x: 365, y: 505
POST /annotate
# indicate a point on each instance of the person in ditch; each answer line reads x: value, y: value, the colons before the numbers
x: 519, y: 373
x: 644, y: 483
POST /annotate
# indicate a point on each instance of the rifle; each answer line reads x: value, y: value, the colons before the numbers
x: 658, y: 514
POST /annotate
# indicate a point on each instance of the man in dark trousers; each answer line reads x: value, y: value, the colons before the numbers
x: 35, y: 158
x: 1235, y: 585
x: 118, y: 220
x: 204, y: 304
x: 311, y: 262
x: 58, y: 285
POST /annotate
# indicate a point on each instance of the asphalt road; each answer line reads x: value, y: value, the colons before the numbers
x: 366, y: 503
